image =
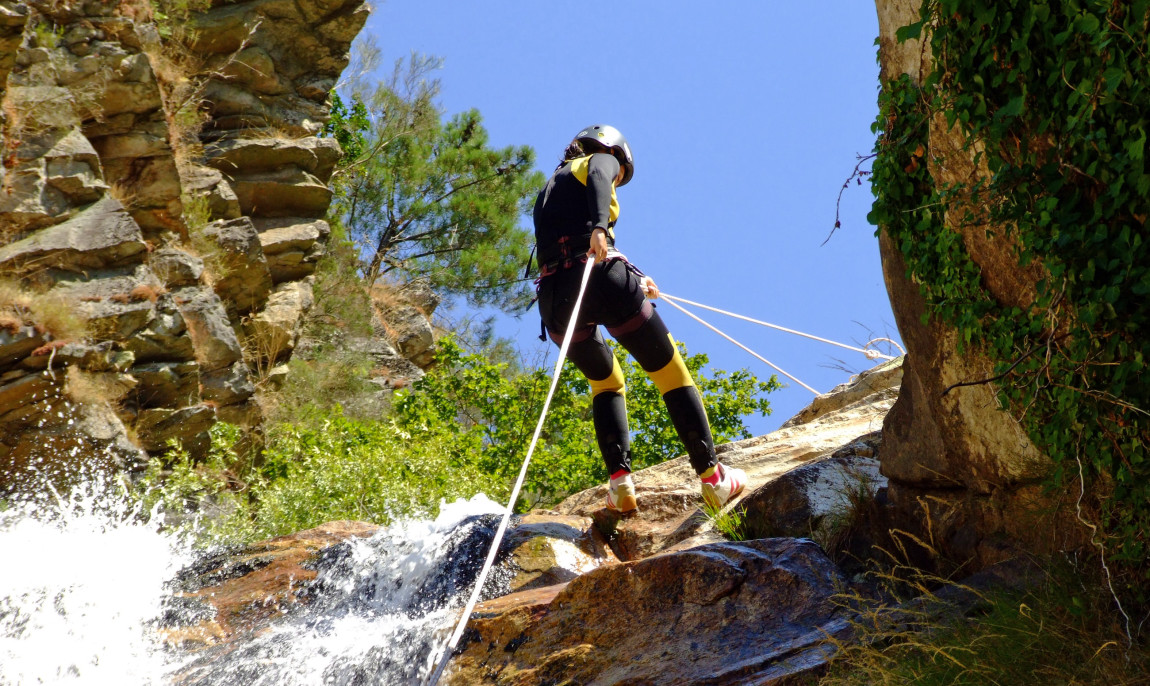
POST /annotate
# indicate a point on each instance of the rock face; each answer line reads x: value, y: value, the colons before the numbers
x: 168, y: 238
x: 958, y: 450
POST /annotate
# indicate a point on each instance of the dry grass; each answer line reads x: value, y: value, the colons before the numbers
x: 49, y: 313
x: 1064, y: 630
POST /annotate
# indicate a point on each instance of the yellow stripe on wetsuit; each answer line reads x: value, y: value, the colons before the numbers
x: 674, y: 374
x: 612, y: 384
x: 580, y: 167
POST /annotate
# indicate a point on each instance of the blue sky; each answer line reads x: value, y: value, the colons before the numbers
x: 745, y: 119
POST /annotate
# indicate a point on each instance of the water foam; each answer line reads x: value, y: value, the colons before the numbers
x: 85, y: 577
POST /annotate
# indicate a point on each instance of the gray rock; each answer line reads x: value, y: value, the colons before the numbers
x: 176, y: 268
x: 273, y: 332
x: 286, y: 191
x: 420, y: 294
x: 414, y: 336
x: 166, y: 384
x: 808, y: 500
x: 100, y: 237
x: 155, y: 427
x: 227, y: 386
x: 245, y: 281
x: 214, y: 339
x: 244, y: 156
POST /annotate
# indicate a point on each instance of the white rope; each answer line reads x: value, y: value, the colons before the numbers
x: 454, y: 641
x: 672, y: 303
x: 871, y: 354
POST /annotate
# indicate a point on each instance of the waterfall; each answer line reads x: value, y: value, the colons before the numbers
x: 87, y: 584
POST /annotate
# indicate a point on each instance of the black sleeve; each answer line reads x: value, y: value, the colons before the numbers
x: 601, y: 172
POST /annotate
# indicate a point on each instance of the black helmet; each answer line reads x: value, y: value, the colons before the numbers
x: 610, y: 138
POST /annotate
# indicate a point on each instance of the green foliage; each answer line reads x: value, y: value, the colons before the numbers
x: 355, y: 469
x: 334, y: 468
x: 429, y: 197
x: 333, y: 373
x: 1057, y: 97
x: 730, y: 523
x: 487, y: 409
x: 206, y: 496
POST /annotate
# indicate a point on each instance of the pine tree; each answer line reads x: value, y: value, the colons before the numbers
x: 424, y: 197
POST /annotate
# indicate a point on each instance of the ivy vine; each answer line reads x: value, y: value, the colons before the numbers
x: 1057, y: 97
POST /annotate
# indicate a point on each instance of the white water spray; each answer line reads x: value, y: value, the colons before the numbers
x: 80, y: 587
x: 84, y: 582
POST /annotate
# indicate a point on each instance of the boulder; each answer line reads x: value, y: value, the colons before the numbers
x: 286, y: 191
x: 413, y: 334
x: 102, y: 236
x: 204, y: 182
x: 272, y: 333
x: 166, y: 384
x: 236, y: 593
x: 242, y: 279
x: 720, y: 613
x: 237, y: 156
x: 670, y: 502
x: 808, y: 500
x: 176, y: 268
x: 227, y: 386
x: 215, y: 341
x: 545, y: 548
x: 188, y: 425
x: 292, y: 246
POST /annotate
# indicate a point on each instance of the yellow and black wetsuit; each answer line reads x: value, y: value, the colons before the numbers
x: 578, y: 198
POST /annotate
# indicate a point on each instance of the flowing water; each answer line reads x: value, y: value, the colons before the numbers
x: 86, y: 583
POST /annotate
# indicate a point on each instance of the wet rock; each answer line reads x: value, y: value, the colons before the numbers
x: 239, y: 592
x: 546, y: 549
x: 17, y: 344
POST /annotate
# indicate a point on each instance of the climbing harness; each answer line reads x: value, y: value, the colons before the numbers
x: 454, y: 640
x: 674, y: 301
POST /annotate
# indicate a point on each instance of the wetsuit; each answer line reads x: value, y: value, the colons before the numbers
x: 578, y: 198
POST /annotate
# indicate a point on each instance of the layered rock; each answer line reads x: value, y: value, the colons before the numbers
x: 170, y: 247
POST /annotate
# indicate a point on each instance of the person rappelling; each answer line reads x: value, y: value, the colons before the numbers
x: 575, y: 216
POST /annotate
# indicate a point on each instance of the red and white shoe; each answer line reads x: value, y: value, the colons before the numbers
x: 723, y: 484
x: 621, y: 495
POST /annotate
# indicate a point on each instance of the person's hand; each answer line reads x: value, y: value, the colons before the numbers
x: 598, y: 245
x: 649, y: 287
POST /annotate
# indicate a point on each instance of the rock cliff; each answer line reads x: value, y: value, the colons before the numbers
x: 163, y: 177
x: 962, y: 471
